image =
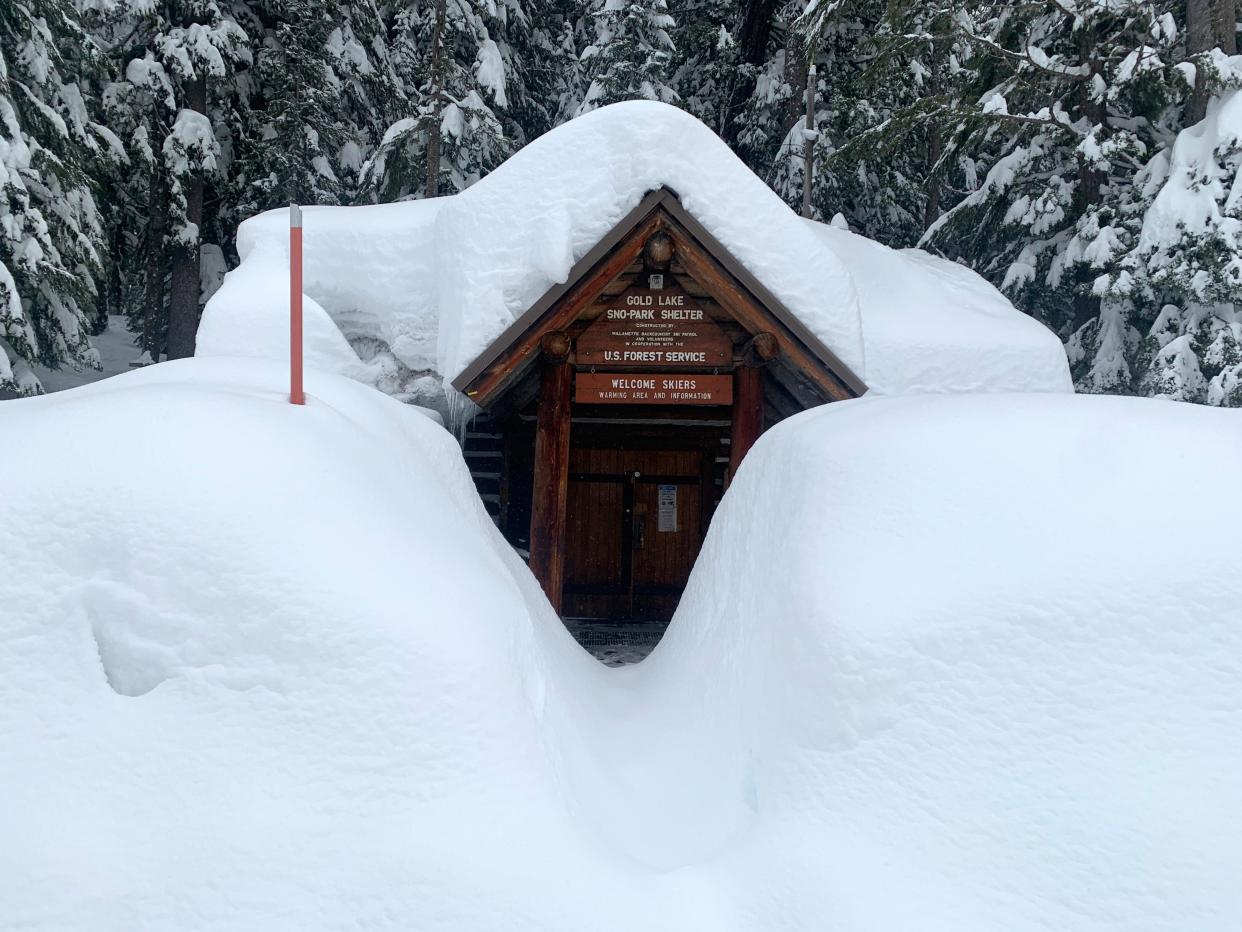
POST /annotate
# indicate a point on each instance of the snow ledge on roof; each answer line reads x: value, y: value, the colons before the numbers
x: 402, y: 296
x: 564, y: 192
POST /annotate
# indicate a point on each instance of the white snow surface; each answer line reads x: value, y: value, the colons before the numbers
x: 367, y: 272
x: 116, y: 350
x: 931, y: 325
x: 434, y: 283
x: 967, y: 679
x: 565, y: 191
x: 938, y: 668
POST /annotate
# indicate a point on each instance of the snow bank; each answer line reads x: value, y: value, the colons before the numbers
x: 279, y: 671
x: 403, y: 291
x: 273, y: 671
x: 976, y: 669
x: 368, y: 274
x: 930, y: 325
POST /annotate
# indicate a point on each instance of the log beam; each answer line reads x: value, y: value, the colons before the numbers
x: 747, y: 414
x: 551, y: 481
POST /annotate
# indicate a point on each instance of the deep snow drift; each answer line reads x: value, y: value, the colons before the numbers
x: 264, y: 667
x: 421, y: 288
x: 938, y: 669
x: 978, y: 670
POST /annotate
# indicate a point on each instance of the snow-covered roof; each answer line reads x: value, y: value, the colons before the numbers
x: 428, y: 285
x: 931, y: 325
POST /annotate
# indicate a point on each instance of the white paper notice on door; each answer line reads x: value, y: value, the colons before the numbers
x: 668, y: 508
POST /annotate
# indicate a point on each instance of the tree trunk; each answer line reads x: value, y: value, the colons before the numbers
x: 186, y: 285
x: 113, y: 296
x: 1090, y: 180
x: 109, y: 299
x: 153, y: 289
x: 437, y: 101
x: 754, y: 34
x: 796, y: 66
x: 1225, y: 17
x: 934, y: 183
x: 1200, y: 36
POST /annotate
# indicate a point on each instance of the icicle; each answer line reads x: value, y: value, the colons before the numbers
x: 461, y: 412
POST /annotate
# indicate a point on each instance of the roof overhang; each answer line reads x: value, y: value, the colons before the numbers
x: 512, y: 354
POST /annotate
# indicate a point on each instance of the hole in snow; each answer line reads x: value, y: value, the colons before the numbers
x: 137, y: 645
x: 129, y: 668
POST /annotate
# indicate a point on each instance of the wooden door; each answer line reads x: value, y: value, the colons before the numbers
x: 666, y: 533
x: 634, y: 528
x: 596, y: 575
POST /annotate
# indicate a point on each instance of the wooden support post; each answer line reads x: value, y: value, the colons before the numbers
x: 747, y: 414
x: 551, y: 487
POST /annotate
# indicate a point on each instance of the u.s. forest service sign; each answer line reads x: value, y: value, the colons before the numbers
x: 654, y: 328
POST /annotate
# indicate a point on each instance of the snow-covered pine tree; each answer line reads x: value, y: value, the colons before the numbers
x: 175, y: 63
x: 136, y: 211
x: 631, y: 56
x: 888, y: 78
x: 540, y: 46
x: 1186, y: 260
x: 323, y: 90
x: 1211, y: 27
x: 569, y: 32
x: 1073, y: 99
x: 751, y: 35
x: 766, y: 101
x: 360, y: 58
x: 50, y: 232
x: 708, y: 58
x: 457, y: 80
x: 298, y: 115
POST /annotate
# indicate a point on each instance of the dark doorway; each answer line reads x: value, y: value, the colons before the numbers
x: 634, y: 528
x: 640, y: 497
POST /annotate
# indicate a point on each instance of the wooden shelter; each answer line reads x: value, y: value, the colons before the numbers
x: 618, y: 407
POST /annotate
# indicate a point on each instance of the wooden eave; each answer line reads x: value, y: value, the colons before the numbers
x: 739, y: 292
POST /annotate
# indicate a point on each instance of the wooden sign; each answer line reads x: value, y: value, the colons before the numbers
x: 642, y: 388
x: 657, y: 325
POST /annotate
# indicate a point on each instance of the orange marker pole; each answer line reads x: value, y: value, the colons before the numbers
x: 296, y: 395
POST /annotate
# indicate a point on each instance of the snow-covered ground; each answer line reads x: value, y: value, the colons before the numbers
x: 954, y: 664
x: 116, y: 351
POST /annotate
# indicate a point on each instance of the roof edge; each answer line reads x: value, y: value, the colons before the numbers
x: 531, y: 316
x: 668, y: 198
x: 765, y: 296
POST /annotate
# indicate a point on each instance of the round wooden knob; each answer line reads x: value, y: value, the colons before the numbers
x: 766, y: 346
x: 659, y: 249
x: 555, y: 345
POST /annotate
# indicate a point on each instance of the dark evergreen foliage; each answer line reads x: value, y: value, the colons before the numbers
x: 1035, y: 141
